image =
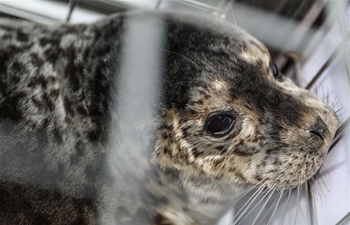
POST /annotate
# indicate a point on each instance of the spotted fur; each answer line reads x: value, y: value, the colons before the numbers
x: 67, y: 157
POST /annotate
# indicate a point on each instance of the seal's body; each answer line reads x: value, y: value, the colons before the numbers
x: 221, y: 119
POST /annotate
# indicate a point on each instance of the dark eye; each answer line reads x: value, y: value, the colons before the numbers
x: 275, y: 71
x: 219, y: 125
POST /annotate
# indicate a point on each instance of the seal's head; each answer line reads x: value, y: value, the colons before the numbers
x: 231, y: 119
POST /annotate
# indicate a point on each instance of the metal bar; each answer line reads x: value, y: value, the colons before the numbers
x: 310, y: 199
x: 344, y: 219
x: 299, y: 36
x: 72, y: 4
x: 343, y: 26
x: 334, y: 54
x: 339, y: 132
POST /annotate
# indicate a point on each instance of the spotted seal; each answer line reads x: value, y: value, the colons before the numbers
x: 81, y: 143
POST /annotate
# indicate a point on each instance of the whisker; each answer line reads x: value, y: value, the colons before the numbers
x: 270, y: 190
x: 304, y: 192
x: 298, y: 205
x: 327, y: 95
x: 242, y: 214
x: 233, y: 14
x: 323, y: 98
x: 316, y: 89
x: 285, y: 212
x: 183, y: 57
x: 321, y: 186
x: 309, y: 202
x: 247, y: 192
x: 322, y: 183
x: 325, y: 169
x: 337, y: 112
x: 188, y: 59
x: 317, y: 190
x: 335, y: 102
x: 249, y: 202
x: 186, y: 81
x: 276, y: 206
x: 270, y: 207
x: 263, y: 207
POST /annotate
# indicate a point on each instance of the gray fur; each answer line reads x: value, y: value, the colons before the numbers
x: 81, y: 145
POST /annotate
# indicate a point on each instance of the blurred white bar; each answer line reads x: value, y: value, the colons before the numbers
x: 45, y: 11
x: 140, y: 70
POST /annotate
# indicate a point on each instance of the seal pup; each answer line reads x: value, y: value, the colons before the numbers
x: 80, y: 144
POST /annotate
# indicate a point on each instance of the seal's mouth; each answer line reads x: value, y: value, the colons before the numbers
x: 293, y: 159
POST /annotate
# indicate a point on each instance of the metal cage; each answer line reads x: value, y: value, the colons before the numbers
x: 309, y: 41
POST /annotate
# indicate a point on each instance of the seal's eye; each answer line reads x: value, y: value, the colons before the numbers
x: 219, y: 124
x: 275, y: 72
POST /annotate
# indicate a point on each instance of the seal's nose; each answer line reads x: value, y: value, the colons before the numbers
x: 319, y: 128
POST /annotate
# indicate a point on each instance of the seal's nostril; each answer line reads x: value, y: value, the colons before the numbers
x: 319, y: 128
x: 318, y: 133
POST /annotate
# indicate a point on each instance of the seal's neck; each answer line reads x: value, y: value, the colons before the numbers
x: 192, y: 199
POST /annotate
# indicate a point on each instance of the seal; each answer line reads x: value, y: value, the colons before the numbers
x: 96, y: 128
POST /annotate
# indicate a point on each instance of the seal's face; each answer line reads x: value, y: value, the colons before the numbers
x: 243, y: 122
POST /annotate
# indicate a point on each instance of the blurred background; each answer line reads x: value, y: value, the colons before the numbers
x: 309, y: 41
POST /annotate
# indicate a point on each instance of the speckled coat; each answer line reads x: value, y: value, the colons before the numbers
x: 81, y: 144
